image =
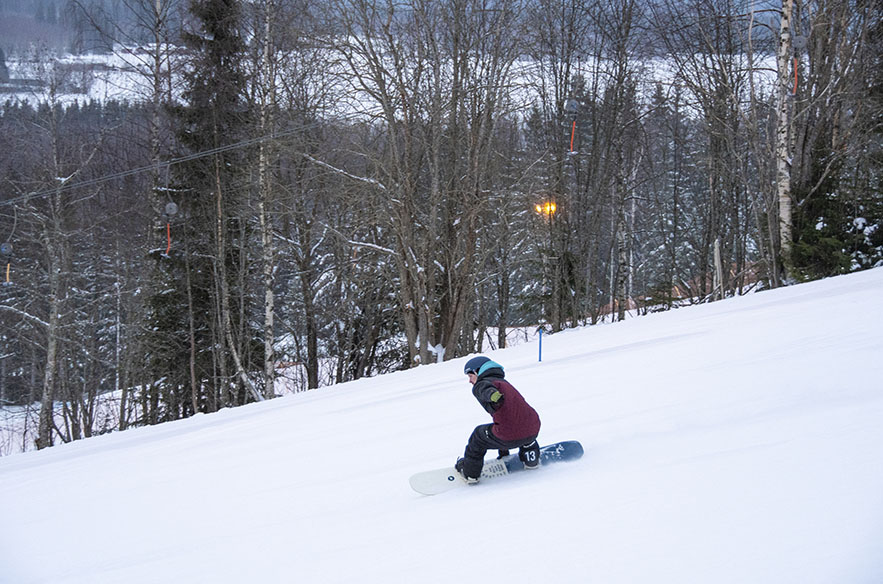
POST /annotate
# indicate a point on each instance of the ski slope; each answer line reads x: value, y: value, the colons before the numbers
x: 734, y: 442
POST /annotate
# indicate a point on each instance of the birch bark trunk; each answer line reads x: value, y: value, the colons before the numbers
x: 264, y: 179
x: 47, y: 400
x: 783, y: 141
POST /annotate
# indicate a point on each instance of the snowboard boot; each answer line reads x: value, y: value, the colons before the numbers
x: 529, y: 454
x: 460, y: 467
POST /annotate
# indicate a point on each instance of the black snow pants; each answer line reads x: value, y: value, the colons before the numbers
x: 482, y: 440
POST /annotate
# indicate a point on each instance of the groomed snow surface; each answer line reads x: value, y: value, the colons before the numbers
x: 734, y: 442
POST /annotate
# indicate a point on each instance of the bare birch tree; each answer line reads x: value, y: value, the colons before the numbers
x: 784, y: 140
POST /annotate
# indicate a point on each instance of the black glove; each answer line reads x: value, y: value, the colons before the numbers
x: 502, y: 453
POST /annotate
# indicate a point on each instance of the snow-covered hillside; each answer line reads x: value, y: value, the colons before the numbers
x: 735, y: 442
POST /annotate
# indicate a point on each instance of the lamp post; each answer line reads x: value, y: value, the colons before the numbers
x: 547, y: 210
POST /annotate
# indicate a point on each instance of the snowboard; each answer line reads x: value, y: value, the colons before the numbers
x: 433, y: 482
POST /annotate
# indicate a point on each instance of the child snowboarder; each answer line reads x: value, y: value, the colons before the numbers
x: 515, y: 424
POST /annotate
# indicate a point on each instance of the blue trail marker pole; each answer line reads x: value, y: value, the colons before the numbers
x: 540, y: 330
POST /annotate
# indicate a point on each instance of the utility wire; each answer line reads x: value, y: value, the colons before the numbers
x: 158, y: 165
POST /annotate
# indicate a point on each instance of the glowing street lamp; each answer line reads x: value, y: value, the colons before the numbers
x: 548, y: 208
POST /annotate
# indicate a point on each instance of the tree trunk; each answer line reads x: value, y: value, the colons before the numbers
x: 267, y: 126
x: 718, y: 288
x: 783, y: 141
x: 221, y: 275
x: 47, y: 400
x: 51, y: 240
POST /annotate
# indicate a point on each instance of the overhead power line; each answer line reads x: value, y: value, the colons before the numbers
x: 156, y: 166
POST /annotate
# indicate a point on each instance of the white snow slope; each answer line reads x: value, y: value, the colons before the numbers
x: 734, y: 442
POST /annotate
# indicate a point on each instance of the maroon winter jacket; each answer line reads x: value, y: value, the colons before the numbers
x: 514, y: 419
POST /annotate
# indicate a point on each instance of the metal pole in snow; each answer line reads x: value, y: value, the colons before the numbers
x: 540, y: 330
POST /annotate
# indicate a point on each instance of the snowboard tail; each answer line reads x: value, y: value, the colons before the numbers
x: 444, y: 479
